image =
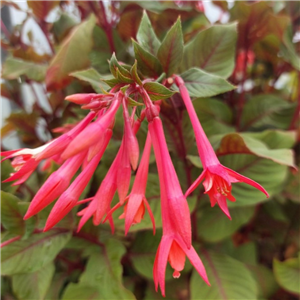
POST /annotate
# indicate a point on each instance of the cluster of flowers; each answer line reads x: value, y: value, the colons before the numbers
x: 84, y: 144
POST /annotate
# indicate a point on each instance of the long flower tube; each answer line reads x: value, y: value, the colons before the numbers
x: 136, y: 201
x: 217, y: 178
x: 69, y: 198
x: 176, y: 240
x: 94, y: 131
x: 55, y: 185
x: 100, y: 204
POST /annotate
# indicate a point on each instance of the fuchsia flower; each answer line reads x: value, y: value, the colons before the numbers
x: 55, y: 185
x: 94, y: 131
x: 134, y: 209
x: 176, y: 240
x: 113, y: 181
x: 69, y: 198
x: 217, y: 178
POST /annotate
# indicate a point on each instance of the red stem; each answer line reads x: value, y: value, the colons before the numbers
x: 107, y: 28
x: 297, y: 111
x: 10, y: 241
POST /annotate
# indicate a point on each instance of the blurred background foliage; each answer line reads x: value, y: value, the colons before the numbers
x: 254, y: 130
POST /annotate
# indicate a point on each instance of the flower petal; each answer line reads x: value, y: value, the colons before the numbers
x: 241, y: 178
x: 195, y: 184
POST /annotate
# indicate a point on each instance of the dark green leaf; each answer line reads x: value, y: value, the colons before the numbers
x: 202, y: 84
x: 287, y: 274
x: 217, y: 226
x: 229, y: 279
x: 264, y: 171
x: 104, y: 271
x: 30, y: 255
x: 148, y: 64
x: 265, y: 280
x: 146, y: 35
x: 267, y: 111
x: 171, y: 49
x: 214, y: 115
x: 157, y: 91
x: 80, y: 291
x: 11, y: 217
x: 212, y: 50
x: 33, y: 285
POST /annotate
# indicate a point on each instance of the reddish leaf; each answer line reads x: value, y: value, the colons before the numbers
x: 72, y: 55
x: 42, y: 8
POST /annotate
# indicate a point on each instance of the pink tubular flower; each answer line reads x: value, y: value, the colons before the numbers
x: 70, y: 197
x: 24, y: 162
x: 100, y: 203
x: 134, y: 209
x: 58, y: 145
x: 55, y: 185
x: 93, y: 132
x: 175, y: 202
x: 176, y: 240
x: 217, y: 178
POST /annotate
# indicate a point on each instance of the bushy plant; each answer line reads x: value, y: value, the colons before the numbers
x: 181, y: 132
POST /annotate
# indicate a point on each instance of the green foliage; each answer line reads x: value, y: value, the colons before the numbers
x: 72, y: 55
x: 34, y: 253
x: 287, y: 274
x: 231, y: 278
x: 212, y: 50
x: 202, y: 84
x: 250, y: 65
x: 171, y: 49
x: 33, y: 285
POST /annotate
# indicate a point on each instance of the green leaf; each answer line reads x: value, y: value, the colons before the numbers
x: 263, y: 111
x: 93, y: 78
x: 62, y: 26
x: 11, y: 217
x: 288, y: 49
x: 33, y: 285
x: 274, y: 209
x: 72, y: 55
x: 246, y: 144
x: 142, y: 254
x: 115, y: 67
x: 245, y: 253
x: 202, y: 84
x: 157, y: 91
x: 79, y: 291
x: 229, y: 279
x: 34, y: 253
x: 6, y: 170
x: 217, y: 226
x: 146, y: 35
x: 148, y: 64
x: 287, y: 274
x: 212, y: 50
x: 171, y: 49
x: 13, y: 68
x: 265, y: 280
x: 214, y: 115
x: 264, y: 171
x: 135, y: 75
x: 104, y: 271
